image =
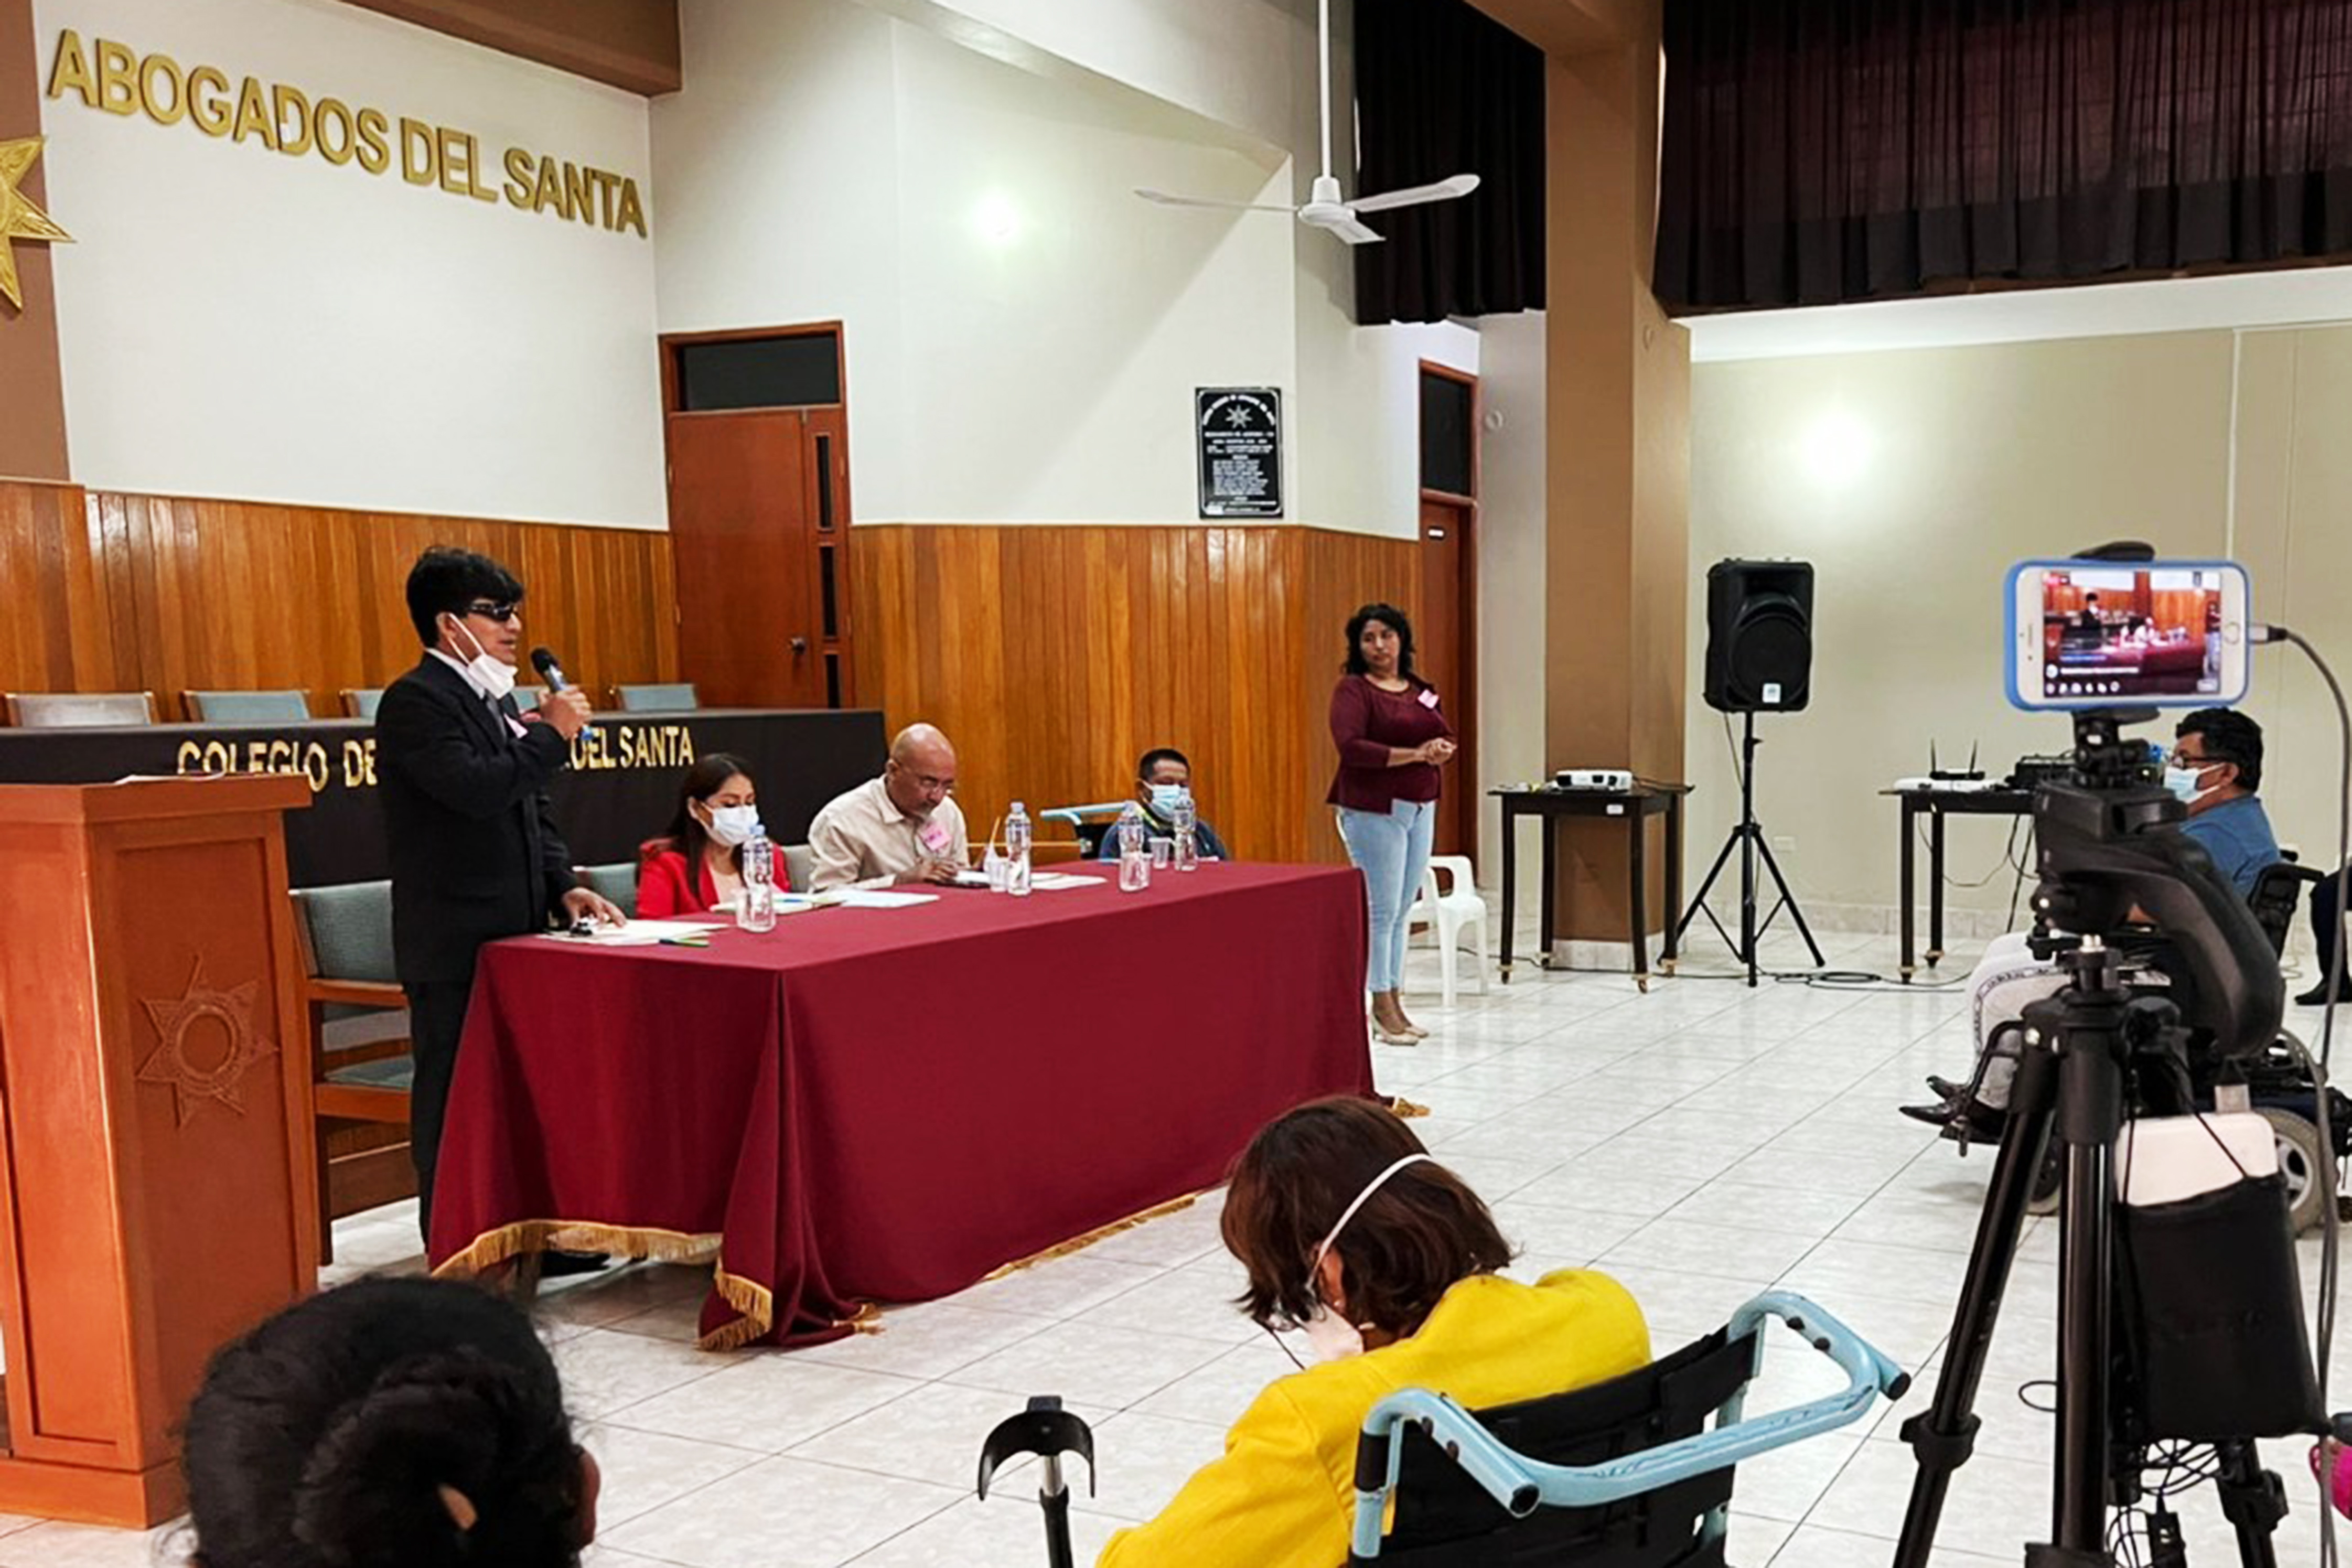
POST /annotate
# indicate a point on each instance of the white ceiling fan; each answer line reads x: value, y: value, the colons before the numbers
x: 1325, y: 208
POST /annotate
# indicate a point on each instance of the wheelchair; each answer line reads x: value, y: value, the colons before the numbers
x: 2278, y: 1086
x: 1622, y: 1474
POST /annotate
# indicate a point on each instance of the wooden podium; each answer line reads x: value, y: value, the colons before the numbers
x: 157, y: 1194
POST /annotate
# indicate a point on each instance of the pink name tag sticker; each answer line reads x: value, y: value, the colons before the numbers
x: 517, y: 725
x: 1428, y: 698
x: 935, y: 838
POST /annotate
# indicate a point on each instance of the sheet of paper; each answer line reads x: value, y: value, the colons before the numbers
x: 637, y: 933
x: 1060, y: 881
x: 882, y: 899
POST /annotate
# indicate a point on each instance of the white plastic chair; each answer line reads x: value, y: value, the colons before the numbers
x: 1448, y: 913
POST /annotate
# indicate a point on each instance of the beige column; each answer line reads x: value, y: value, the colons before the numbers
x: 1617, y: 370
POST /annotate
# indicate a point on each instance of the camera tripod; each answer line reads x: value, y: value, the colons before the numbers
x: 2071, y: 1083
x: 1747, y: 836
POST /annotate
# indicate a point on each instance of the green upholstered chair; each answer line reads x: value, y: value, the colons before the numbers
x: 361, y: 1069
x: 673, y: 697
x: 74, y: 710
x: 247, y: 707
x: 617, y: 882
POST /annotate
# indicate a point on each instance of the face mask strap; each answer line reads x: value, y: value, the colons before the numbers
x: 1374, y: 1185
x: 458, y: 622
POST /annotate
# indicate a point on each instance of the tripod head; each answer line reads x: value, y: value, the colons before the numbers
x: 2110, y: 842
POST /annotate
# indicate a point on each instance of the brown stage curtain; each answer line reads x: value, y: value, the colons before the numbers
x: 1818, y: 150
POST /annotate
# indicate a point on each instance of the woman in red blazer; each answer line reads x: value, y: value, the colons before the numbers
x: 699, y: 865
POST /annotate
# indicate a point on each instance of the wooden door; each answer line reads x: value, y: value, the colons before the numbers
x: 743, y: 528
x: 1446, y: 619
x: 1446, y: 659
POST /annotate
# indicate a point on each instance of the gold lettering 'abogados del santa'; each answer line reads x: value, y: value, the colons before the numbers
x: 112, y: 77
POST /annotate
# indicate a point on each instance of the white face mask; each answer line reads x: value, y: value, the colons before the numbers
x: 2183, y: 783
x: 1164, y: 798
x: 493, y: 678
x: 1332, y: 1337
x: 733, y: 825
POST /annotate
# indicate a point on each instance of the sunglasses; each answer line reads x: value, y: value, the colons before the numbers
x: 490, y: 612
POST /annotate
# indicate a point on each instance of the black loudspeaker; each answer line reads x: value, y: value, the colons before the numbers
x: 1759, y: 635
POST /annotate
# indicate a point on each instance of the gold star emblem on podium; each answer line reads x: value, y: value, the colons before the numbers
x: 236, y: 1044
x: 19, y: 218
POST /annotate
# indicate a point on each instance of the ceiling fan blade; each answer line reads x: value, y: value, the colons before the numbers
x: 1165, y: 200
x: 1354, y: 233
x: 1442, y: 190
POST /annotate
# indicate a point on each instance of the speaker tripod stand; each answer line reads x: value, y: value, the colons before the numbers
x: 1747, y: 837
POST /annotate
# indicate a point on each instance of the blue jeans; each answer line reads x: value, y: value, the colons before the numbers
x: 1391, y: 848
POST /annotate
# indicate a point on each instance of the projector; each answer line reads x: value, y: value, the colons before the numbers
x: 1617, y: 779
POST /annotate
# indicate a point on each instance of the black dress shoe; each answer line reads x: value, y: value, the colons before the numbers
x: 555, y: 1264
x: 1944, y: 1088
x: 1976, y: 1122
x: 1961, y: 1117
x: 2317, y: 995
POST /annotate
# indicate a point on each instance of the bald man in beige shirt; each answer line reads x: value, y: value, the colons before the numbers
x: 899, y: 829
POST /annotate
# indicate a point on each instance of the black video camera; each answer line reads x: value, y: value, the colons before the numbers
x: 2110, y: 842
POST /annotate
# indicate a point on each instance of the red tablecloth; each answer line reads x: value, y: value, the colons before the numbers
x: 886, y: 1105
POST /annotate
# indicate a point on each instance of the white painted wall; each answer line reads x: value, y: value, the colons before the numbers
x: 777, y: 167
x: 1024, y: 333
x: 1055, y: 324
x: 1233, y: 62
x: 1511, y: 553
x: 236, y: 322
x: 1914, y: 478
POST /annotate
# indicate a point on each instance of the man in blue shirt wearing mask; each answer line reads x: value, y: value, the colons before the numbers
x: 2215, y: 767
x: 1162, y: 777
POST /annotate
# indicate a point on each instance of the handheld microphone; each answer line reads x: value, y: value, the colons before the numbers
x: 543, y: 659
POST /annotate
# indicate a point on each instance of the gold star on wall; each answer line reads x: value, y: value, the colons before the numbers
x: 19, y: 218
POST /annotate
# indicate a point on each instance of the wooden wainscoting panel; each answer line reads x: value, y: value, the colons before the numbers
x: 1053, y: 654
x: 127, y: 593
x: 1340, y: 573
x: 59, y: 629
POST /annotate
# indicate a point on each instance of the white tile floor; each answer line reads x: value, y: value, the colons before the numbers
x: 1701, y: 1144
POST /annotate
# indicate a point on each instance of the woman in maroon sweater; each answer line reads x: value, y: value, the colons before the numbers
x: 698, y: 865
x: 1393, y: 740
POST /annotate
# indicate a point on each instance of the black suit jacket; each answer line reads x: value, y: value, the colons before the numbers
x: 474, y: 850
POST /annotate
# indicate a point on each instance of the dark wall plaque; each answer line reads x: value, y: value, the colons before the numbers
x: 1240, y: 430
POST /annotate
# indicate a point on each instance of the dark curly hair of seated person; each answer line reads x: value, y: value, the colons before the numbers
x: 388, y: 1423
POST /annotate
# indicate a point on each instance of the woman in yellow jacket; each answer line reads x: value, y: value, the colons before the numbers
x: 1349, y: 1229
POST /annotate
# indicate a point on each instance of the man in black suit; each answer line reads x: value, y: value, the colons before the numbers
x: 474, y: 849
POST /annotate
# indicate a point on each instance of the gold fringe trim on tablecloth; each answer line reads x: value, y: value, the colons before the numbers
x: 755, y: 1305
x: 1081, y: 1243
x: 511, y: 1241
x: 1406, y: 1109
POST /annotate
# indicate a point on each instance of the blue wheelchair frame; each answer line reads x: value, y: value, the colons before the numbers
x: 1521, y: 1485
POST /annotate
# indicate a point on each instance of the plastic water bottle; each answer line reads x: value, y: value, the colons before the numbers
x: 1016, y: 851
x: 758, y: 909
x: 1185, y: 819
x: 1134, y: 850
